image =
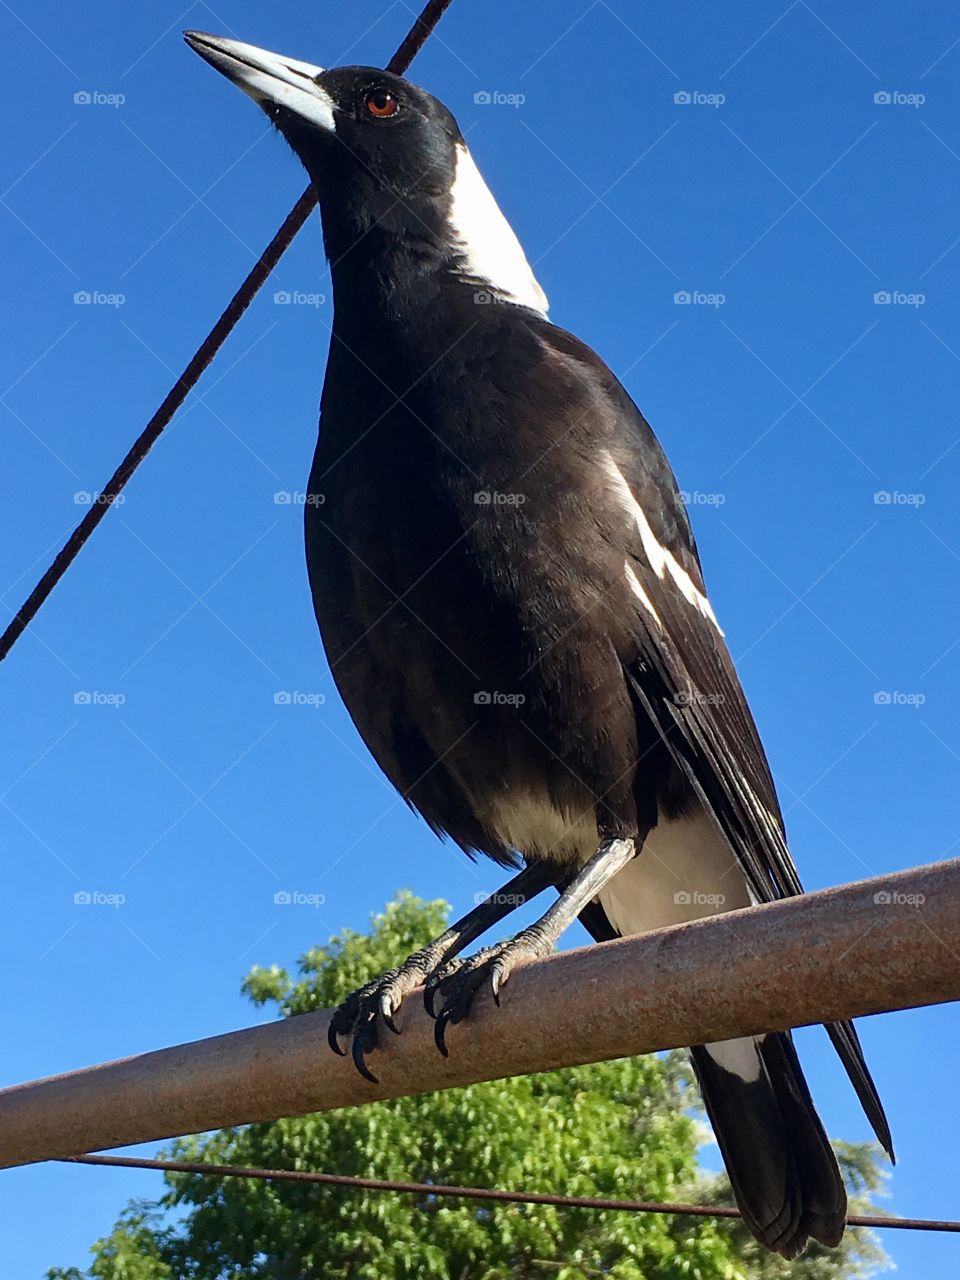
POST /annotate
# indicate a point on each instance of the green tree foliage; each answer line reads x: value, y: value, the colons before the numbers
x: 626, y: 1128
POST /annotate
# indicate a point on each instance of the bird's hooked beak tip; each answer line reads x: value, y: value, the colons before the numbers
x: 271, y: 79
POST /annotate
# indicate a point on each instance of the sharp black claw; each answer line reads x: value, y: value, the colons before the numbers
x: 447, y: 995
x: 358, y: 1060
x: 440, y: 1031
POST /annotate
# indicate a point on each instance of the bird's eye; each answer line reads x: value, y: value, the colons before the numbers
x: 381, y: 104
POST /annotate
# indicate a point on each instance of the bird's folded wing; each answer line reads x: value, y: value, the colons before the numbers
x: 683, y: 677
x: 684, y: 680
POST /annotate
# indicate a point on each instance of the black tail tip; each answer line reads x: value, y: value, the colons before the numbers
x: 792, y: 1238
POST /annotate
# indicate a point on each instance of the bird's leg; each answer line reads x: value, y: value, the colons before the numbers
x: 358, y: 1013
x: 456, y: 982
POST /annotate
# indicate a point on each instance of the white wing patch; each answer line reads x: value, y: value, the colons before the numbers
x: 660, y: 559
x: 635, y: 586
x: 490, y: 252
x: 740, y: 1057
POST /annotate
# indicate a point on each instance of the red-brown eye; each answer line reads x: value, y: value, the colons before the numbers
x: 381, y: 103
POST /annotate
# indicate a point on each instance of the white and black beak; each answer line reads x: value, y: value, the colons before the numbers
x: 272, y: 80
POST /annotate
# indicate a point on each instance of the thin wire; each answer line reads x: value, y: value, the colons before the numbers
x: 416, y: 37
x: 160, y: 420
x: 410, y: 46
x: 481, y: 1193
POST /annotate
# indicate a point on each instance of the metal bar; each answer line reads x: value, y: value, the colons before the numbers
x: 878, y: 945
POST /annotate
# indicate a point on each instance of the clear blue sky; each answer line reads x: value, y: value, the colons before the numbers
x: 787, y: 407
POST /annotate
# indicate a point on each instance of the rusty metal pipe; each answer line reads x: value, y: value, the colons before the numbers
x: 878, y: 945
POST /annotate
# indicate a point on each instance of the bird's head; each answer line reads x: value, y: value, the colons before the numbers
x: 389, y: 164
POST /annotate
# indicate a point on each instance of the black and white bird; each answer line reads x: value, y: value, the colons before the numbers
x: 513, y: 610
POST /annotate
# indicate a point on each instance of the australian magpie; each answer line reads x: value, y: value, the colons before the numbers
x: 512, y: 606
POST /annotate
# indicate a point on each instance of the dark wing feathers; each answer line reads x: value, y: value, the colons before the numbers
x: 685, y: 682
x: 696, y: 735
x: 847, y: 1044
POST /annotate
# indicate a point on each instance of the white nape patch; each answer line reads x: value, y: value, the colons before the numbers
x: 272, y: 78
x: 635, y: 586
x: 490, y: 251
x: 739, y: 1057
x: 661, y: 560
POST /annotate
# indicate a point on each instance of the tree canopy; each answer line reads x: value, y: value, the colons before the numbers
x: 630, y: 1128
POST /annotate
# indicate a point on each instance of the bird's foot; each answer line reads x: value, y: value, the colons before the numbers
x: 357, y: 1015
x: 455, y: 984
x: 362, y: 1011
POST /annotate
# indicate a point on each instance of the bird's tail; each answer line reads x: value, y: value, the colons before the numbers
x: 782, y: 1169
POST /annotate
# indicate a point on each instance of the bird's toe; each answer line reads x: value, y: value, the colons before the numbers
x: 359, y: 1014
